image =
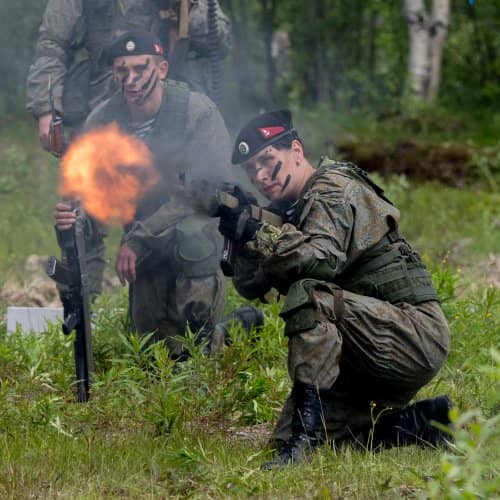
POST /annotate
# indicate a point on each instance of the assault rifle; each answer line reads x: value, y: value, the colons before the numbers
x: 225, y: 197
x: 73, y: 274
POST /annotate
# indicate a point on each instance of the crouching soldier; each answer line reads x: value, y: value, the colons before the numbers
x: 364, y: 325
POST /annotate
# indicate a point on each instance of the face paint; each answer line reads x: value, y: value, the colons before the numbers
x: 151, y: 83
x: 276, y: 170
x: 123, y: 78
x: 140, y: 72
x: 287, y: 181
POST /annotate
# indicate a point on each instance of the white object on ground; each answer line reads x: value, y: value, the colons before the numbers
x: 32, y: 319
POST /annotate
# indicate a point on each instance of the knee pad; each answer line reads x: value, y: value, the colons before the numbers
x: 196, y: 252
x: 309, y: 302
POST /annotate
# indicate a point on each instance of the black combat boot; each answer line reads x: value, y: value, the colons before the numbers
x: 247, y: 317
x: 307, y: 427
x: 413, y: 424
x: 214, y: 338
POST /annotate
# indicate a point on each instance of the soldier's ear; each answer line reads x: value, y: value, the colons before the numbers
x: 298, y: 150
x: 163, y: 69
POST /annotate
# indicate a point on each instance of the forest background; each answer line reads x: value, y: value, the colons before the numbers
x: 350, y: 71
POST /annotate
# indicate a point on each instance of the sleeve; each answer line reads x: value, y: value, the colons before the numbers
x: 61, y: 30
x: 317, y: 248
x: 249, y: 278
x: 198, y: 28
x: 153, y: 235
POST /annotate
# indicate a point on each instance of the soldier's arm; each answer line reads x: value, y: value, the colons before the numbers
x: 249, y: 279
x: 62, y: 25
x: 153, y: 235
x: 317, y: 249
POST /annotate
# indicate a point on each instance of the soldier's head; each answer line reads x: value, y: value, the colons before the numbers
x: 138, y: 67
x: 272, y: 155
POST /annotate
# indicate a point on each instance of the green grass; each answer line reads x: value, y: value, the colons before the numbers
x: 152, y: 430
x: 200, y: 429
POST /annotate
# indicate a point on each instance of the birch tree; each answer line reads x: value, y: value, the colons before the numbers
x: 427, y: 34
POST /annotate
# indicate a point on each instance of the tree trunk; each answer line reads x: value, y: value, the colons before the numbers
x: 438, y: 32
x: 418, y: 65
x: 427, y: 35
x: 321, y: 70
x: 268, y: 25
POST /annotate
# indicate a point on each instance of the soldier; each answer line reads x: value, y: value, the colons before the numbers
x: 168, y: 255
x: 69, y: 54
x: 364, y: 325
x: 74, y: 33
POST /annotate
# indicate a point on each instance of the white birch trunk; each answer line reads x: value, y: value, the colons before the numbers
x: 438, y: 32
x: 427, y: 34
x: 418, y: 61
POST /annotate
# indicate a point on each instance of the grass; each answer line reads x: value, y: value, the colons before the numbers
x: 154, y: 430
x: 200, y: 429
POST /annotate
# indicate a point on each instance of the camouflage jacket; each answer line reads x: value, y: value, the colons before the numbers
x: 337, y: 219
x: 76, y: 31
x: 189, y: 142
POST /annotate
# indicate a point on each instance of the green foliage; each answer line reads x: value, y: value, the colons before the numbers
x: 158, y: 429
x: 351, y: 53
x: 471, y: 469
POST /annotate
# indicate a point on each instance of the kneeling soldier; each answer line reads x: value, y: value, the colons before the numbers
x: 364, y: 325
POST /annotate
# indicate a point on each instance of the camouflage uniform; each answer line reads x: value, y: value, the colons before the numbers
x: 178, y: 274
x: 363, y: 321
x: 74, y: 33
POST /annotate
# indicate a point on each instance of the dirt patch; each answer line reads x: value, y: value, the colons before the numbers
x: 258, y: 434
x: 448, y: 163
x: 37, y: 290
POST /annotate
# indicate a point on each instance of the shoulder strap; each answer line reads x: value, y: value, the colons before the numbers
x: 358, y: 172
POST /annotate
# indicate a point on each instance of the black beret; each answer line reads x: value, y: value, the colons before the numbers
x: 133, y: 43
x: 262, y: 131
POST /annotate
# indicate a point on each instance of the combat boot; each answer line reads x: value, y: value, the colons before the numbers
x: 214, y: 338
x: 247, y: 317
x: 413, y: 425
x: 307, y: 427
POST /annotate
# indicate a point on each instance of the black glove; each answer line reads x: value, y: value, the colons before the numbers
x: 244, y: 197
x: 237, y: 225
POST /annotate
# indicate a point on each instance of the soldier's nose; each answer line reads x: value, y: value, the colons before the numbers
x: 261, y: 175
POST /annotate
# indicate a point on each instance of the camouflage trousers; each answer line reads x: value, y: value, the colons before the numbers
x: 365, y: 355
x: 184, y: 287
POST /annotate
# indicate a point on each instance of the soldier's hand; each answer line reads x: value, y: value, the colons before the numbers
x: 44, y: 130
x: 65, y: 216
x: 237, y: 224
x: 125, y: 264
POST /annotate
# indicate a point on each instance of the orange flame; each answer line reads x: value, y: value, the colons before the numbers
x: 108, y: 171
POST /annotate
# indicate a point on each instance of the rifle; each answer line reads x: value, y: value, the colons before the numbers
x: 56, y: 136
x: 73, y: 274
x: 224, y: 197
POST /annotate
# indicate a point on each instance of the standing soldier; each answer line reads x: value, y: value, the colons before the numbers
x: 365, y: 329
x: 69, y: 63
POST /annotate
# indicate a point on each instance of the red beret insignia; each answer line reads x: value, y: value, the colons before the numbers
x: 269, y: 132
